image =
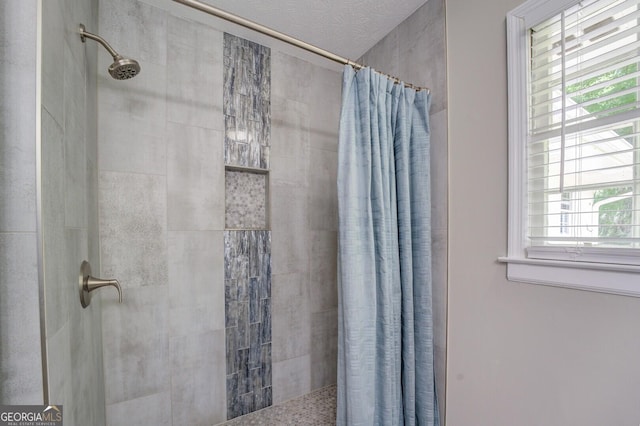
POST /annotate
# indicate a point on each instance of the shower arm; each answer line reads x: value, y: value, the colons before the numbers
x: 85, y: 34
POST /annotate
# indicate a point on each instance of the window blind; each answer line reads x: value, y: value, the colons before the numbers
x: 583, y: 149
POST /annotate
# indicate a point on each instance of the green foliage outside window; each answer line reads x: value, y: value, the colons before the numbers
x: 609, y: 106
x: 614, y: 218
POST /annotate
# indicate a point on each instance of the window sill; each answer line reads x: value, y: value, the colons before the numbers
x: 599, y: 277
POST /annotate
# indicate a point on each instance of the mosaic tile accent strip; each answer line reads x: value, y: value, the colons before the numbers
x: 317, y: 408
x: 247, y: 103
x: 246, y: 200
x: 247, y: 273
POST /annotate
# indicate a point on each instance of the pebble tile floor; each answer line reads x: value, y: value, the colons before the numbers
x: 317, y: 408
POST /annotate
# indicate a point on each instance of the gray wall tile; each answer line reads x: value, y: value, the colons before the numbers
x: 439, y: 170
x: 20, y: 364
x: 17, y: 173
x: 440, y: 359
x: 323, y: 192
x: 75, y: 151
x: 309, y: 122
x: 59, y: 358
x: 196, y: 282
x: 53, y: 68
x: 385, y: 55
x: 292, y: 78
x: 291, y: 378
x: 132, y: 136
x: 195, y: 178
x: 198, y: 379
x: 66, y: 116
x: 439, y: 243
x: 136, y: 29
x: 133, y: 228
x: 292, y: 318
x: 136, y: 344
x: 153, y: 409
x: 53, y: 166
x: 85, y: 331
x: 69, y: 175
x: 18, y: 117
x: 304, y: 218
x: 194, y: 74
x: 323, y: 271
x: 290, y: 224
x: 422, y: 51
x: 324, y: 110
x: 93, y: 232
x: 324, y: 347
x: 290, y: 155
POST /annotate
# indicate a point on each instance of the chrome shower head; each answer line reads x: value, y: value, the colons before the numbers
x: 122, y: 68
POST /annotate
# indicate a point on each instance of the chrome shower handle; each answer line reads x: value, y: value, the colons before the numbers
x: 89, y: 284
x: 92, y: 283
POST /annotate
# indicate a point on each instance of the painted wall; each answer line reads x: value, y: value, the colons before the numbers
x: 20, y: 354
x: 518, y: 354
x: 415, y: 52
x: 70, y: 210
x: 162, y: 219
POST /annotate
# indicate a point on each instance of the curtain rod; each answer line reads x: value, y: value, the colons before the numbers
x: 214, y: 11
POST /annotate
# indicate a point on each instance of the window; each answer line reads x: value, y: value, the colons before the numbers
x: 574, y: 144
x: 565, y: 214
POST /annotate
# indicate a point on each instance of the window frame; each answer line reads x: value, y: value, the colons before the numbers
x: 602, y: 272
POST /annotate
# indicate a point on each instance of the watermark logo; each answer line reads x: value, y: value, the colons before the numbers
x: 30, y: 415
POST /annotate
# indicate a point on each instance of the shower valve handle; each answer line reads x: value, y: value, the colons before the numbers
x: 89, y: 284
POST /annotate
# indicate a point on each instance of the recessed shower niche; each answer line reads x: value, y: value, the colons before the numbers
x: 246, y: 197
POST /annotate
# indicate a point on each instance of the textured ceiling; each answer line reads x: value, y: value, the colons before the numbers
x: 346, y: 27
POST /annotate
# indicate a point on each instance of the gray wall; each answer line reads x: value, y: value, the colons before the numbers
x: 161, y: 202
x: 67, y: 129
x: 20, y: 353
x: 415, y: 52
x: 519, y: 354
x: 304, y: 218
x: 70, y: 210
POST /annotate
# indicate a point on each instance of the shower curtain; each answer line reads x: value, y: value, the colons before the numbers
x: 385, y: 330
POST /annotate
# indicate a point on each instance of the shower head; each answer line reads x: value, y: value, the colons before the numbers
x: 122, y: 68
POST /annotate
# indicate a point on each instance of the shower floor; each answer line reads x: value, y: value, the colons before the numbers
x: 317, y: 408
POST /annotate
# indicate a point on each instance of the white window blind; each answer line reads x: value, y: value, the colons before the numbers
x: 583, y: 148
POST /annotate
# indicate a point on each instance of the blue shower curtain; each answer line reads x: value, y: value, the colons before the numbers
x: 385, y: 330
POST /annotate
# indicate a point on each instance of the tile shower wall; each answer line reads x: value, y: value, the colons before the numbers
x: 20, y: 355
x: 415, y: 51
x: 70, y: 210
x: 247, y: 254
x: 162, y: 219
x: 247, y: 260
x: 247, y: 103
x: 304, y: 222
x: 161, y: 200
